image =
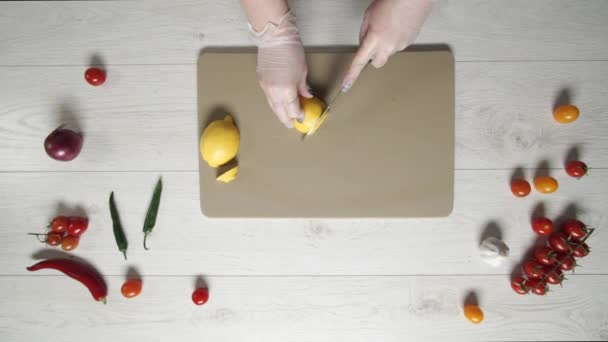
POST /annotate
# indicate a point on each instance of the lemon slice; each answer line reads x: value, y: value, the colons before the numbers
x: 229, y: 175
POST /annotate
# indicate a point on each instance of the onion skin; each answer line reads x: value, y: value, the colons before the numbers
x: 63, y: 144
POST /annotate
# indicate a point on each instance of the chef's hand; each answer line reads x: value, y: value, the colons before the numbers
x: 282, y: 68
x: 388, y: 26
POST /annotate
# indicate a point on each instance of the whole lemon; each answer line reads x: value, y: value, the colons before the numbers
x: 312, y: 108
x: 220, y: 142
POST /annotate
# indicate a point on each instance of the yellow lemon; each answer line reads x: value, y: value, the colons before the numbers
x: 313, y: 108
x: 220, y: 142
x: 229, y: 175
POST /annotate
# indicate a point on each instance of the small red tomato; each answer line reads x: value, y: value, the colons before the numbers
x: 200, y: 296
x: 533, y: 269
x: 559, y: 242
x: 553, y: 276
x: 520, y: 187
x: 59, y: 224
x: 542, y: 226
x: 131, y: 288
x: 78, y: 225
x: 70, y: 243
x: 95, y: 76
x: 580, y: 251
x: 566, y: 262
x: 537, y: 286
x: 545, y: 255
x: 575, y: 228
x: 54, y: 239
x: 576, y: 168
x: 518, y: 284
x: 545, y: 184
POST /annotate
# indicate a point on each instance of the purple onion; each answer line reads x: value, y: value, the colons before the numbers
x: 63, y: 144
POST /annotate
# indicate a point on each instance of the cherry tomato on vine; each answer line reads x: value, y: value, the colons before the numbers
x: 95, y: 76
x: 554, y: 276
x: 545, y: 184
x: 78, y: 225
x: 559, y: 242
x: 537, y: 286
x: 59, y: 224
x: 520, y: 187
x: 70, y: 243
x: 566, y: 263
x: 131, y: 288
x: 580, y: 251
x: 542, y: 226
x: 576, y: 169
x: 200, y: 296
x: 545, y: 255
x: 518, y: 284
x: 533, y: 269
x: 54, y: 239
x: 473, y: 313
x: 575, y: 228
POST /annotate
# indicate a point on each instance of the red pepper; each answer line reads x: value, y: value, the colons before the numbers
x: 88, y: 276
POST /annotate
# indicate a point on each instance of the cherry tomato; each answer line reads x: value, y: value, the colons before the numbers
x: 545, y: 184
x: 542, y: 226
x: 78, y: 225
x: 576, y: 168
x: 131, y: 288
x: 95, y: 76
x: 200, y: 296
x: 59, y: 224
x: 537, y: 286
x: 533, y: 269
x: 559, y: 242
x: 566, y: 262
x: 70, y: 243
x: 473, y: 313
x: 575, y: 228
x: 545, y: 255
x: 566, y: 113
x: 554, y: 276
x: 520, y: 187
x: 581, y: 250
x: 518, y: 284
x: 54, y: 239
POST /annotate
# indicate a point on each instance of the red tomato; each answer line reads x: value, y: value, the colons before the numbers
x: 576, y: 168
x: 131, y: 288
x: 78, y: 225
x: 545, y: 255
x: 53, y: 239
x: 520, y: 187
x: 575, y: 228
x: 559, y: 242
x: 70, y: 243
x: 566, y: 262
x: 200, y: 296
x: 533, y: 269
x: 542, y: 226
x: 553, y: 276
x: 59, y: 224
x: 580, y: 251
x: 518, y: 284
x: 537, y: 286
x: 545, y: 184
x: 566, y: 113
x: 95, y: 76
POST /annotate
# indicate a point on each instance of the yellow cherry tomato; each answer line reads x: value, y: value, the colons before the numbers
x: 545, y: 184
x: 473, y: 313
x: 566, y: 113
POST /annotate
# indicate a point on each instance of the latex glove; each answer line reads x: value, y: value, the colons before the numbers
x: 282, y: 68
x: 388, y: 26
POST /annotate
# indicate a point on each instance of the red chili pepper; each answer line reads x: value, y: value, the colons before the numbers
x: 88, y: 276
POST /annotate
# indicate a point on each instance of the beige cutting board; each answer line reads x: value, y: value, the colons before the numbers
x: 386, y: 149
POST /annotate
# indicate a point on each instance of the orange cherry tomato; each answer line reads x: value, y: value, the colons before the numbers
x: 59, y: 224
x: 566, y: 114
x: 70, y: 243
x: 520, y: 187
x: 54, y: 239
x: 131, y: 288
x: 545, y: 184
x: 473, y: 313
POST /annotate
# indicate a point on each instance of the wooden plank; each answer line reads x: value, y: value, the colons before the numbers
x: 144, y: 118
x: 161, y: 32
x: 184, y: 241
x: 302, y: 309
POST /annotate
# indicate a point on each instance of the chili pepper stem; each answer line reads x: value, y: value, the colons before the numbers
x: 104, y: 300
x: 124, y: 252
x: 145, y: 238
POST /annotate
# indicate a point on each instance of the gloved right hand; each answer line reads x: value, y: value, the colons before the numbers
x: 281, y: 68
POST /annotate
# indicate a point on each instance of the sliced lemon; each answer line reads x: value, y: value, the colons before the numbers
x: 312, y: 108
x: 229, y: 175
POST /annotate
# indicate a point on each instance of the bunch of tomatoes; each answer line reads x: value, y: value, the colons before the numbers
x: 64, y: 231
x: 547, y: 184
x: 550, y: 261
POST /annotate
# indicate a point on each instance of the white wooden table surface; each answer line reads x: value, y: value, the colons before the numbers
x: 292, y: 280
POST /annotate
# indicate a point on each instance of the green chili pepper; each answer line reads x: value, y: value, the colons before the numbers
x: 119, y: 235
x: 150, y: 220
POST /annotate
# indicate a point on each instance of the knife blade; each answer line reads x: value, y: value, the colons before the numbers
x: 323, y: 115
